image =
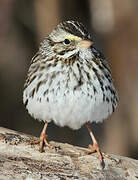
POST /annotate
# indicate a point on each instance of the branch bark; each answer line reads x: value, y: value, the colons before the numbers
x: 21, y: 160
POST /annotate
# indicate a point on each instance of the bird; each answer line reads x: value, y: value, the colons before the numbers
x: 69, y: 82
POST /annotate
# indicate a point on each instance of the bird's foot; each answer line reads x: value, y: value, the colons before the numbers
x: 42, y: 141
x: 95, y: 148
x: 101, y: 155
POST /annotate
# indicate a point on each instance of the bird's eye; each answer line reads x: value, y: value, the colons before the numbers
x: 67, y: 41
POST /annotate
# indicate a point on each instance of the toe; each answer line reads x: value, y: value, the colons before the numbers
x: 95, y: 148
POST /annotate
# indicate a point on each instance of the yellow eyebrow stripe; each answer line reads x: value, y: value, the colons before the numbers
x: 71, y: 37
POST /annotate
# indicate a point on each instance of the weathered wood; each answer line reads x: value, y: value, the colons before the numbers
x: 21, y: 160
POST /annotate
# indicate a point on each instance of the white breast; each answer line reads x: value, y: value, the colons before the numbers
x: 65, y: 101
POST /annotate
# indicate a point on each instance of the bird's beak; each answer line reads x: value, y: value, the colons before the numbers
x: 85, y: 44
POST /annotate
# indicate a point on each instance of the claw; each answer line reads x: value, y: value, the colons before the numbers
x: 95, y: 147
x: 43, y: 139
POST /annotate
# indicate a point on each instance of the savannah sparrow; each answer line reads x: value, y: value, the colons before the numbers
x: 69, y: 82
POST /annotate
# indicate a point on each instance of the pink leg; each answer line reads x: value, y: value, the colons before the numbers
x: 95, y: 146
x: 43, y: 139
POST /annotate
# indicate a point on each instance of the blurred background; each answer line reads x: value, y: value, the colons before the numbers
x: 114, y: 27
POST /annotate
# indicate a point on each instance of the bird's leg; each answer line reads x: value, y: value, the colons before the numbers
x: 43, y: 138
x: 95, y: 146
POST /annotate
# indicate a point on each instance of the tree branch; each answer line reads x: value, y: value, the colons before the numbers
x: 21, y: 160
